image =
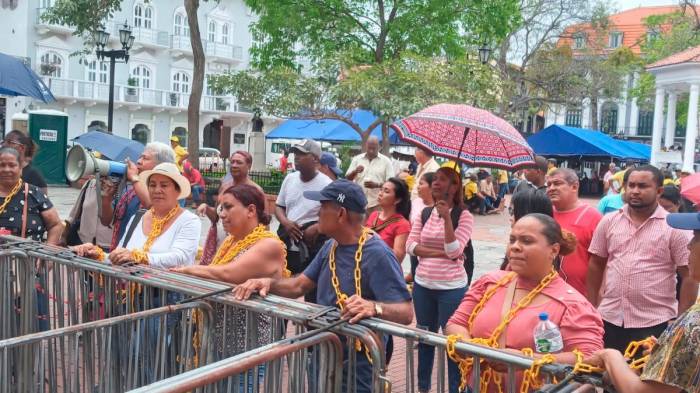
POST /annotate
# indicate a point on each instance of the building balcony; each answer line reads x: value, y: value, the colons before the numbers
x: 148, y: 38
x: 180, y: 45
x: 134, y: 98
x: 223, y: 52
x: 43, y: 27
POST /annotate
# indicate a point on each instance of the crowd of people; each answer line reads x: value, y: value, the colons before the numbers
x: 605, y: 278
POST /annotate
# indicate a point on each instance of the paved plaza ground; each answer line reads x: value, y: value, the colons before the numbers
x: 489, y: 238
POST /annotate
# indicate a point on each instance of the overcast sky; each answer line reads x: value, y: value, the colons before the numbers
x: 627, y: 4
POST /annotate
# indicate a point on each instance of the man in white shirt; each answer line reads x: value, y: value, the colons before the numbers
x: 297, y: 215
x: 370, y: 170
x: 426, y: 164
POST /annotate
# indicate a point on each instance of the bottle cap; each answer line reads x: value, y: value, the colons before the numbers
x: 544, y: 316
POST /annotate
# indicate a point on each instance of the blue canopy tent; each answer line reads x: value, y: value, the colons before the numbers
x: 331, y: 130
x: 564, y: 141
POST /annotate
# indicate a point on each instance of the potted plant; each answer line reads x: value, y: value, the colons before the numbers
x: 131, y: 90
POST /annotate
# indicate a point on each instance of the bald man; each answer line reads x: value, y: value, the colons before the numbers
x: 370, y: 170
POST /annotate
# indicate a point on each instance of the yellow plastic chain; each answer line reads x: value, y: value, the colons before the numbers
x: 531, y: 377
x: 465, y: 364
x: 230, y: 248
x: 340, y: 296
x: 9, y: 196
x: 157, y: 225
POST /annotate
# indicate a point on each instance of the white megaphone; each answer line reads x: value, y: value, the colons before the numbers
x: 80, y: 163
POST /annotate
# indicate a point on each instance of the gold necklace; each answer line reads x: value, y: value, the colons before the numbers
x: 157, y: 225
x: 340, y: 296
x: 9, y: 196
x: 465, y: 364
x: 230, y: 248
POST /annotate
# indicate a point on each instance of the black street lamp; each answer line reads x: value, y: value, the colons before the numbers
x: 101, y: 39
x: 484, y: 53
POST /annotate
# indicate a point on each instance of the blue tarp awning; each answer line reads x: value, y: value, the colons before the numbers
x: 562, y: 141
x: 330, y: 130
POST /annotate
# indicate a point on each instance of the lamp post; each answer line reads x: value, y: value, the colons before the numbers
x: 484, y: 53
x: 101, y: 39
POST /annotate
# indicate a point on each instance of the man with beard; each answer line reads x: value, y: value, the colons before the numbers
x: 639, y: 254
x: 577, y: 218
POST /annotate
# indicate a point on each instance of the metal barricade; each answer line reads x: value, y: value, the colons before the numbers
x: 238, y: 373
x: 110, y: 355
x: 81, y: 290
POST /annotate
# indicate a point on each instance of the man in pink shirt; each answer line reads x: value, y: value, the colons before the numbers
x: 575, y: 217
x: 639, y: 254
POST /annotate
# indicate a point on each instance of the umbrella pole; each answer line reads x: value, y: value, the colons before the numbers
x: 459, y: 154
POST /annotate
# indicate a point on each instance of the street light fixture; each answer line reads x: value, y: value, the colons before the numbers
x: 101, y: 40
x: 484, y: 53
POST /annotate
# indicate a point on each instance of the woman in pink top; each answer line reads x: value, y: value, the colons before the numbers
x: 440, y: 280
x: 391, y: 221
x: 536, y: 242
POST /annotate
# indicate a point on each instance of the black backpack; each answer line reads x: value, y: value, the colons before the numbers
x: 468, y: 249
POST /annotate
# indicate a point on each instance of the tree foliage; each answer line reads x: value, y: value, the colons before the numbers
x: 371, y: 31
x: 88, y: 16
x: 391, y: 89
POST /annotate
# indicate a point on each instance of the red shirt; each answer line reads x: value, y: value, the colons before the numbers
x: 283, y: 164
x: 389, y: 233
x: 582, y: 222
x: 194, y: 176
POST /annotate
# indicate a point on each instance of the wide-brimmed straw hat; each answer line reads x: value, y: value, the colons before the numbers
x: 170, y: 170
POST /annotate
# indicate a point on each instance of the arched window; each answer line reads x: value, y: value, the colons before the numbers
x: 141, y: 133
x: 181, y: 134
x: 212, y: 31
x: 608, y: 118
x: 182, y: 28
x: 97, y: 71
x: 143, y: 16
x: 142, y: 75
x: 181, y: 82
x: 224, y: 33
x: 51, y: 64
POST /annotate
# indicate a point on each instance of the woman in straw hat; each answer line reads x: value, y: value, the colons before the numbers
x: 166, y: 235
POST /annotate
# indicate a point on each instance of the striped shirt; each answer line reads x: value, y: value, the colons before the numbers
x: 440, y: 273
x: 640, y: 274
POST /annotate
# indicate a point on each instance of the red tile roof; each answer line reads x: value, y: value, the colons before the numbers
x: 630, y: 23
x: 690, y: 55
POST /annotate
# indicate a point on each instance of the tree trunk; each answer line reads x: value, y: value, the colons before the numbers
x: 594, y: 113
x: 191, y: 7
x: 385, y: 139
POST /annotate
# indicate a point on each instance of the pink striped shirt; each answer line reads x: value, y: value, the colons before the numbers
x: 640, y: 275
x: 440, y: 273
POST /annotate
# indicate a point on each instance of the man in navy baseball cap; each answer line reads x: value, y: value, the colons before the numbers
x: 328, y: 164
x: 343, y: 193
x: 333, y: 271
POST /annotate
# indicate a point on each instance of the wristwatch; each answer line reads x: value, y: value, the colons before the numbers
x: 378, y: 310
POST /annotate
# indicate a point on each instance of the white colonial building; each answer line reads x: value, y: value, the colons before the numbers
x: 152, y: 89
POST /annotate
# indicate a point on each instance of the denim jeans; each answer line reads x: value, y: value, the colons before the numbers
x: 196, y: 191
x: 433, y: 308
x: 502, y: 190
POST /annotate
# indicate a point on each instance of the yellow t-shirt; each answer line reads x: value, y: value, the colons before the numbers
x: 502, y: 176
x: 550, y: 170
x: 669, y: 182
x: 470, y: 189
x: 180, y: 153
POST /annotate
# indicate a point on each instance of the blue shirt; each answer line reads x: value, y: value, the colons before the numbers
x: 382, y: 279
x: 610, y: 203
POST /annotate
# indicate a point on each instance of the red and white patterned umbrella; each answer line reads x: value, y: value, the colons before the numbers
x: 471, y: 135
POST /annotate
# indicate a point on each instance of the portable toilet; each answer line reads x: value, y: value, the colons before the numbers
x: 49, y: 130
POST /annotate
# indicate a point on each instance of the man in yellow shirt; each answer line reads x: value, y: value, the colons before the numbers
x: 551, y: 166
x: 181, y: 153
x: 472, y: 195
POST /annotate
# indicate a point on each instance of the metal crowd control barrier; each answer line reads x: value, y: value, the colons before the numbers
x: 111, y: 355
x: 81, y: 290
x: 233, y: 374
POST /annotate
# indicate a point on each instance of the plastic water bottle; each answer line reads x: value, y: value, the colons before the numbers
x: 547, y: 336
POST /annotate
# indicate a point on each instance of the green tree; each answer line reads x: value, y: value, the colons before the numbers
x: 87, y: 16
x: 392, y: 89
x: 371, y: 31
